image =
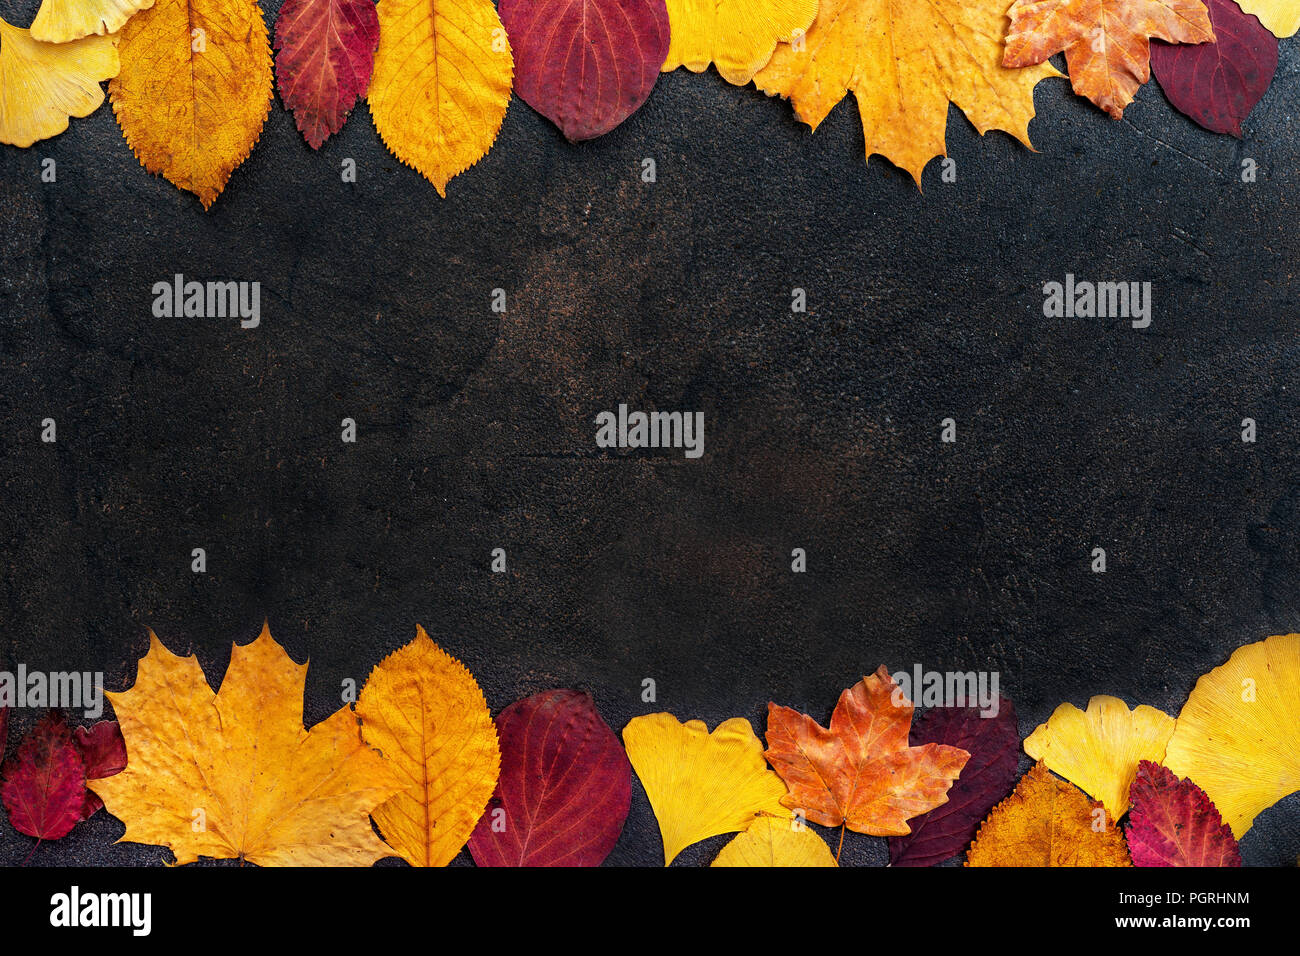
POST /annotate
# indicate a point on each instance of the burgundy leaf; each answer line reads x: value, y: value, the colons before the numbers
x: 564, y: 790
x: 1173, y: 823
x: 326, y: 55
x: 1217, y: 84
x: 103, y: 753
x: 994, y: 746
x: 44, y: 785
x: 586, y: 65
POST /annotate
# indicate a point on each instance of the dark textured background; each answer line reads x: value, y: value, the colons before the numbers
x: 821, y: 430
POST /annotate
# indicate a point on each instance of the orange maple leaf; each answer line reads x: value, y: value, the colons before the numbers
x: 860, y: 773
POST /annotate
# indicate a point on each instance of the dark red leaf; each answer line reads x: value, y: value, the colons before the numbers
x: 326, y: 55
x: 1173, y: 823
x: 1217, y: 84
x: 586, y: 65
x: 44, y: 785
x: 565, y: 786
x: 103, y: 753
x: 990, y: 774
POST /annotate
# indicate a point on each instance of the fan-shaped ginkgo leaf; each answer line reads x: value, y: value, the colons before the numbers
x: 58, y: 21
x: 738, y: 36
x: 326, y: 55
x: 1282, y: 17
x: 771, y: 841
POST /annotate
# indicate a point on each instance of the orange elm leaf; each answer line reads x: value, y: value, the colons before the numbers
x: 44, y: 784
x: 860, y: 773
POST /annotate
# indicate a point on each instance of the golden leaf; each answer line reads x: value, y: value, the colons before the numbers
x: 441, y: 85
x: 58, y: 21
x: 904, y: 62
x: 1280, y: 17
x: 42, y: 84
x: 1099, y: 748
x: 701, y: 784
x: 739, y: 36
x: 1238, y: 735
x: 1047, y: 822
x: 194, y: 90
x: 423, y: 710
x: 233, y: 775
x: 774, y: 842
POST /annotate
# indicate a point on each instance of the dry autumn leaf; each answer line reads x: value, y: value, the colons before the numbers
x: 1106, y: 42
x: 1238, y: 735
x: 233, y: 775
x: 1173, y: 823
x: 58, y: 21
x: 43, y: 84
x: 861, y: 773
x: 441, y: 84
x: 424, y: 712
x: 1047, y: 822
x: 738, y: 36
x: 701, y: 784
x: 1099, y: 749
x: 932, y: 53
x: 771, y: 841
x: 1282, y: 17
x: 194, y: 89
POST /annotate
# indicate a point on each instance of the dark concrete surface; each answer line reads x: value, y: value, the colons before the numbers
x: 821, y: 429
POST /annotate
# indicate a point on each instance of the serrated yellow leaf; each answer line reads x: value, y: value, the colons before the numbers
x: 701, y: 784
x: 739, y: 36
x: 194, y: 90
x: 1280, y: 17
x: 773, y: 842
x: 43, y: 84
x: 1099, y: 749
x: 58, y: 21
x: 1238, y: 735
x: 441, y: 85
x: 234, y: 775
x: 423, y: 710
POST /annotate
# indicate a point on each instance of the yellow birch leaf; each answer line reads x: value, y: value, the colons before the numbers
x: 233, y: 775
x: 423, y: 710
x: 1099, y: 749
x: 441, y: 85
x: 773, y: 842
x: 194, y: 90
x: 738, y: 36
x: 1280, y: 17
x: 701, y: 784
x: 904, y: 62
x: 58, y: 21
x: 42, y: 84
x: 1238, y: 735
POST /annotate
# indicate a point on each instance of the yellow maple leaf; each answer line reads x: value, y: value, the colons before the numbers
x: 904, y: 62
x: 773, y: 842
x: 1099, y: 748
x: 1280, y: 17
x: 43, y: 84
x: 441, y: 86
x: 424, y: 712
x: 739, y: 36
x: 701, y: 784
x: 194, y: 90
x: 1238, y: 735
x: 233, y: 775
x: 58, y: 21
x: 1047, y: 822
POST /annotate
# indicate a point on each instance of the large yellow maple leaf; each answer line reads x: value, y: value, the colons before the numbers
x: 904, y: 62
x: 233, y: 775
x: 738, y: 36
x: 58, y: 21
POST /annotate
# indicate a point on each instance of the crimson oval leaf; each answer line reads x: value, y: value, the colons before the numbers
x: 326, y: 55
x: 44, y: 785
x: 1217, y: 84
x: 1174, y: 823
x: 103, y: 754
x: 586, y: 65
x: 564, y: 790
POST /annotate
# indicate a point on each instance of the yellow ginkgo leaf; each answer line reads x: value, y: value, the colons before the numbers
x: 423, y: 710
x: 701, y: 784
x: 43, y: 84
x: 738, y: 36
x: 58, y: 21
x: 442, y: 83
x: 1280, y: 17
x: 1099, y: 749
x: 774, y: 842
x: 1238, y: 735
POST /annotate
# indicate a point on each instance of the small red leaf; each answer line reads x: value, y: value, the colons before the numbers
x: 1174, y: 823
x: 103, y: 753
x: 564, y: 790
x: 1217, y: 84
x: 586, y: 65
x: 326, y: 55
x: 44, y: 785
